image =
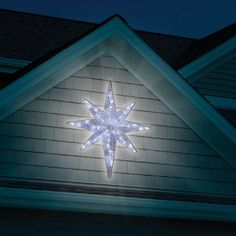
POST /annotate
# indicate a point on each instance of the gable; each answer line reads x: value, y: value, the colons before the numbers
x: 38, y: 146
x: 117, y: 39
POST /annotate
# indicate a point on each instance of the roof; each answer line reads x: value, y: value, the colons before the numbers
x: 204, y: 45
x: 30, y: 36
x: 34, y: 38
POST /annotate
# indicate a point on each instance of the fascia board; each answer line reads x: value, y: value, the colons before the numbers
x: 209, y: 61
x: 104, y: 204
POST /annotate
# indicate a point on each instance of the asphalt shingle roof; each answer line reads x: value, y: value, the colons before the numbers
x: 29, y: 37
x: 202, y: 46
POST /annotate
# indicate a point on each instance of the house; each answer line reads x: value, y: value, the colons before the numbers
x: 182, y: 179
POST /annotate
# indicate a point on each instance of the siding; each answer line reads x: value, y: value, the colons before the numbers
x: 37, y: 145
x: 220, y: 82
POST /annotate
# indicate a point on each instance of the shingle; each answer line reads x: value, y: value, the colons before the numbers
x: 169, y: 47
x: 41, y: 34
x: 202, y: 46
x: 31, y: 37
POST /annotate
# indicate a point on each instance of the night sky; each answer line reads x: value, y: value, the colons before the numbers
x: 190, y: 18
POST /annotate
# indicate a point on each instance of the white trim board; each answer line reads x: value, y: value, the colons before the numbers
x: 219, y: 102
x: 207, y: 62
x: 117, y: 39
x: 92, y: 203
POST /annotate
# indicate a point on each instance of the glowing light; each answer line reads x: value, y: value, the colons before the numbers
x: 109, y: 125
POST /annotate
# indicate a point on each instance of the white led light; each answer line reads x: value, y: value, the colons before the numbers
x: 111, y: 126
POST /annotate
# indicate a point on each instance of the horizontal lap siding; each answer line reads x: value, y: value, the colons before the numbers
x: 220, y: 82
x: 36, y: 144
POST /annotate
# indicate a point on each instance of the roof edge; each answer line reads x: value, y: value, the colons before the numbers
x: 207, y: 62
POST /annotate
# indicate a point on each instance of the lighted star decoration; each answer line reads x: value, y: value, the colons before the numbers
x: 110, y: 126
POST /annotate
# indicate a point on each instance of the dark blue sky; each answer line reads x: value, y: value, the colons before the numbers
x: 190, y: 18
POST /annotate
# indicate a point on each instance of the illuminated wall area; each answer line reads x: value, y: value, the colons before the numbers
x: 38, y: 146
